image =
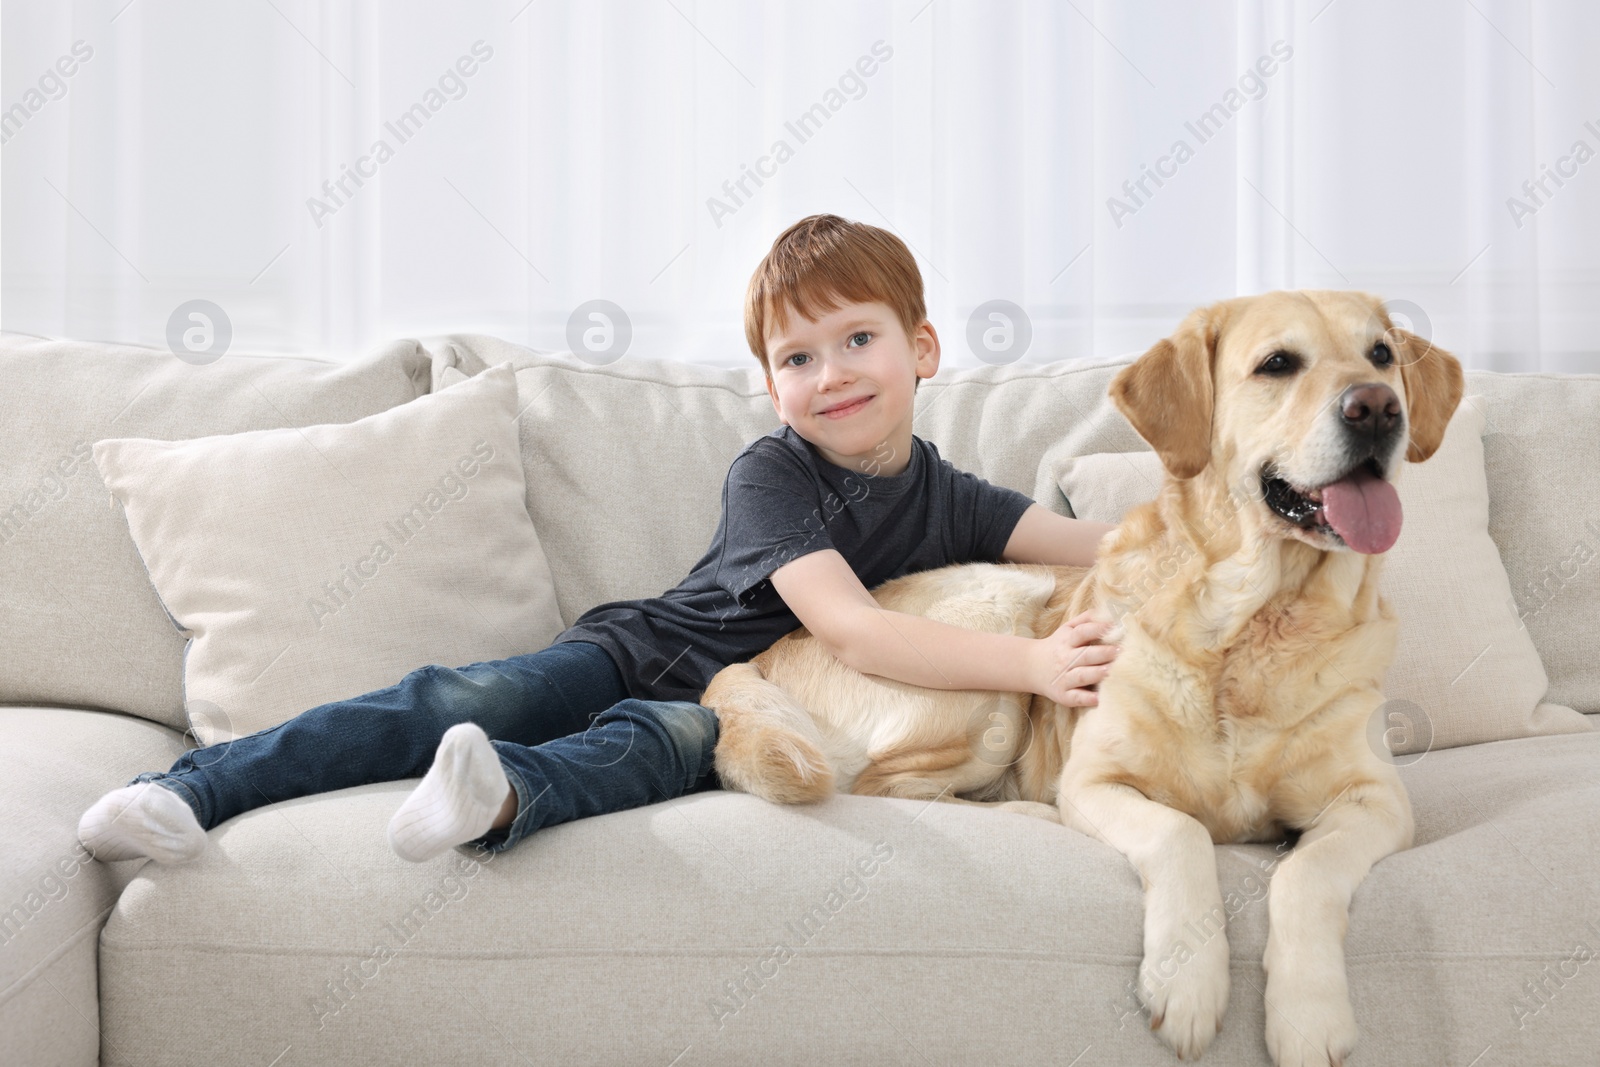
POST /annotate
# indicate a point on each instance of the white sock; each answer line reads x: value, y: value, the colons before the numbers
x: 142, y: 820
x: 457, y: 800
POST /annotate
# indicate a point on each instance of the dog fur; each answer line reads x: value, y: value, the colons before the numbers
x: 1253, y: 657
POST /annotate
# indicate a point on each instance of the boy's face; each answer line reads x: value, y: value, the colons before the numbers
x: 858, y: 352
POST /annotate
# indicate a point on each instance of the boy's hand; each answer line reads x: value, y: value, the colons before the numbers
x: 1069, y: 663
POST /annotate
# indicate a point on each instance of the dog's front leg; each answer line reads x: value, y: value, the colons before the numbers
x: 1183, y: 979
x: 1310, y: 1022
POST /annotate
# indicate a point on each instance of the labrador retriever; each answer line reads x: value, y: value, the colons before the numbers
x: 1254, y: 640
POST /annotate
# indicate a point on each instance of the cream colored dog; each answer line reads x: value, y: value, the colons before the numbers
x: 1254, y: 644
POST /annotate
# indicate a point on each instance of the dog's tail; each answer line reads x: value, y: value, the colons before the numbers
x: 767, y: 743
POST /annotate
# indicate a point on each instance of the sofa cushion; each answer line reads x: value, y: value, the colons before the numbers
x: 82, y: 625
x: 625, y: 465
x: 599, y: 440
x: 725, y: 930
x: 54, y: 763
x: 1542, y: 452
x: 1464, y: 670
x: 316, y: 564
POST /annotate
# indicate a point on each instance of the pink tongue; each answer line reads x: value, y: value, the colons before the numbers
x: 1364, y: 510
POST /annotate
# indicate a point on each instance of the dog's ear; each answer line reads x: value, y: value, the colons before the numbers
x: 1166, y: 394
x: 1434, y: 384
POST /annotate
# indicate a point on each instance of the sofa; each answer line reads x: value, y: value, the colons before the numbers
x: 717, y: 928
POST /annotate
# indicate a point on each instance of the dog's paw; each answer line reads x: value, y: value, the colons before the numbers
x: 1186, y: 990
x: 1309, y: 1019
x: 1047, y: 812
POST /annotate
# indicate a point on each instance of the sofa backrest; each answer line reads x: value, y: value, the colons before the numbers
x: 625, y: 466
x: 626, y: 462
x: 1541, y: 451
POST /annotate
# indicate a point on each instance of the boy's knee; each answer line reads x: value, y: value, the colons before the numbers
x: 434, y: 675
x: 473, y: 684
x: 692, y: 728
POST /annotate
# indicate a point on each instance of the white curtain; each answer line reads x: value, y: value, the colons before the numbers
x: 333, y: 174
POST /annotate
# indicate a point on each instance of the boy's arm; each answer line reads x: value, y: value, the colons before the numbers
x: 1042, y: 536
x: 830, y: 601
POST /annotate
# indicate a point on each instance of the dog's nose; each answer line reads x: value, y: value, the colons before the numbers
x: 1372, y: 409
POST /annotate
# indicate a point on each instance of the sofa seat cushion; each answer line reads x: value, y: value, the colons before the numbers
x: 716, y: 928
x: 54, y: 763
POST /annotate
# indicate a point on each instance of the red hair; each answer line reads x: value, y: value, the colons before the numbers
x: 823, y: 262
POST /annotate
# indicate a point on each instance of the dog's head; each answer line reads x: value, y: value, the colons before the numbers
x: 1305, y: 400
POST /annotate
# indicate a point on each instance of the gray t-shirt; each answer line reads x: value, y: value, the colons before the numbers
x: 780, y: 501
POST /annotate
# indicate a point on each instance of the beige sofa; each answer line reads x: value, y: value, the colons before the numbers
x: 718, y: 929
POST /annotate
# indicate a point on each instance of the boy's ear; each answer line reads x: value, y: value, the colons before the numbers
x: 925, y: 342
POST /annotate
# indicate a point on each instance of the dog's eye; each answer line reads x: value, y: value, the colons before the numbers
x: 1279, y: 364
x: 1382, y: 355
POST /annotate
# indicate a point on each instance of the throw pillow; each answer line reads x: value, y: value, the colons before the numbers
x: 316, y: 564
x: 82, y: 626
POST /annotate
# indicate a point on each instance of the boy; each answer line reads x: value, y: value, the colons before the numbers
x: 840, y: 498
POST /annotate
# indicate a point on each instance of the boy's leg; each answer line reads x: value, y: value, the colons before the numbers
x: 384, y: 735
x: 637, y: 752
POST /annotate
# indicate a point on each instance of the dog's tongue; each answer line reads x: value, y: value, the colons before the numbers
x: 1364, y: 510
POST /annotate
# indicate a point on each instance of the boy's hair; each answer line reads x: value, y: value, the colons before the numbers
x: 822, y: 262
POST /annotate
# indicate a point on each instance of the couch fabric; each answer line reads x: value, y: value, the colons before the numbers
x: 716, y: 928
x: 1542, y: 454
x: 54, y: 763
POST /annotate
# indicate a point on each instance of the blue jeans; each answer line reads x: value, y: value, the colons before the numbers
x: 571, y: 741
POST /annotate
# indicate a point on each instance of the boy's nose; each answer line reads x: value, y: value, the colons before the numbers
x: 835, y: 373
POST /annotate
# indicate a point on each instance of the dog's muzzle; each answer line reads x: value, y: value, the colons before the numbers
x: 1359, y: 508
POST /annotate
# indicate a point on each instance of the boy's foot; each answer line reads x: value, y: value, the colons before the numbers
x: 458, y: 799
x: 142, y: 820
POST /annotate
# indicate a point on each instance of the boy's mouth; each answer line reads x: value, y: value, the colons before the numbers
x: 849, y: 407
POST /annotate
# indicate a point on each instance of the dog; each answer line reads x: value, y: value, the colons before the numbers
x: 1254, y: 644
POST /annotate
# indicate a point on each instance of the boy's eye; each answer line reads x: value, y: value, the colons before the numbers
x: 861, y: 333
x: 797, y: 355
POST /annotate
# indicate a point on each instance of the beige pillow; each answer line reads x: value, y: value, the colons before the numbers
x: 80, y: 624
x: 1465, y: 671
x: 316, y: 564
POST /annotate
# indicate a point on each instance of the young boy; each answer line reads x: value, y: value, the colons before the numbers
x: 840, y: 498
